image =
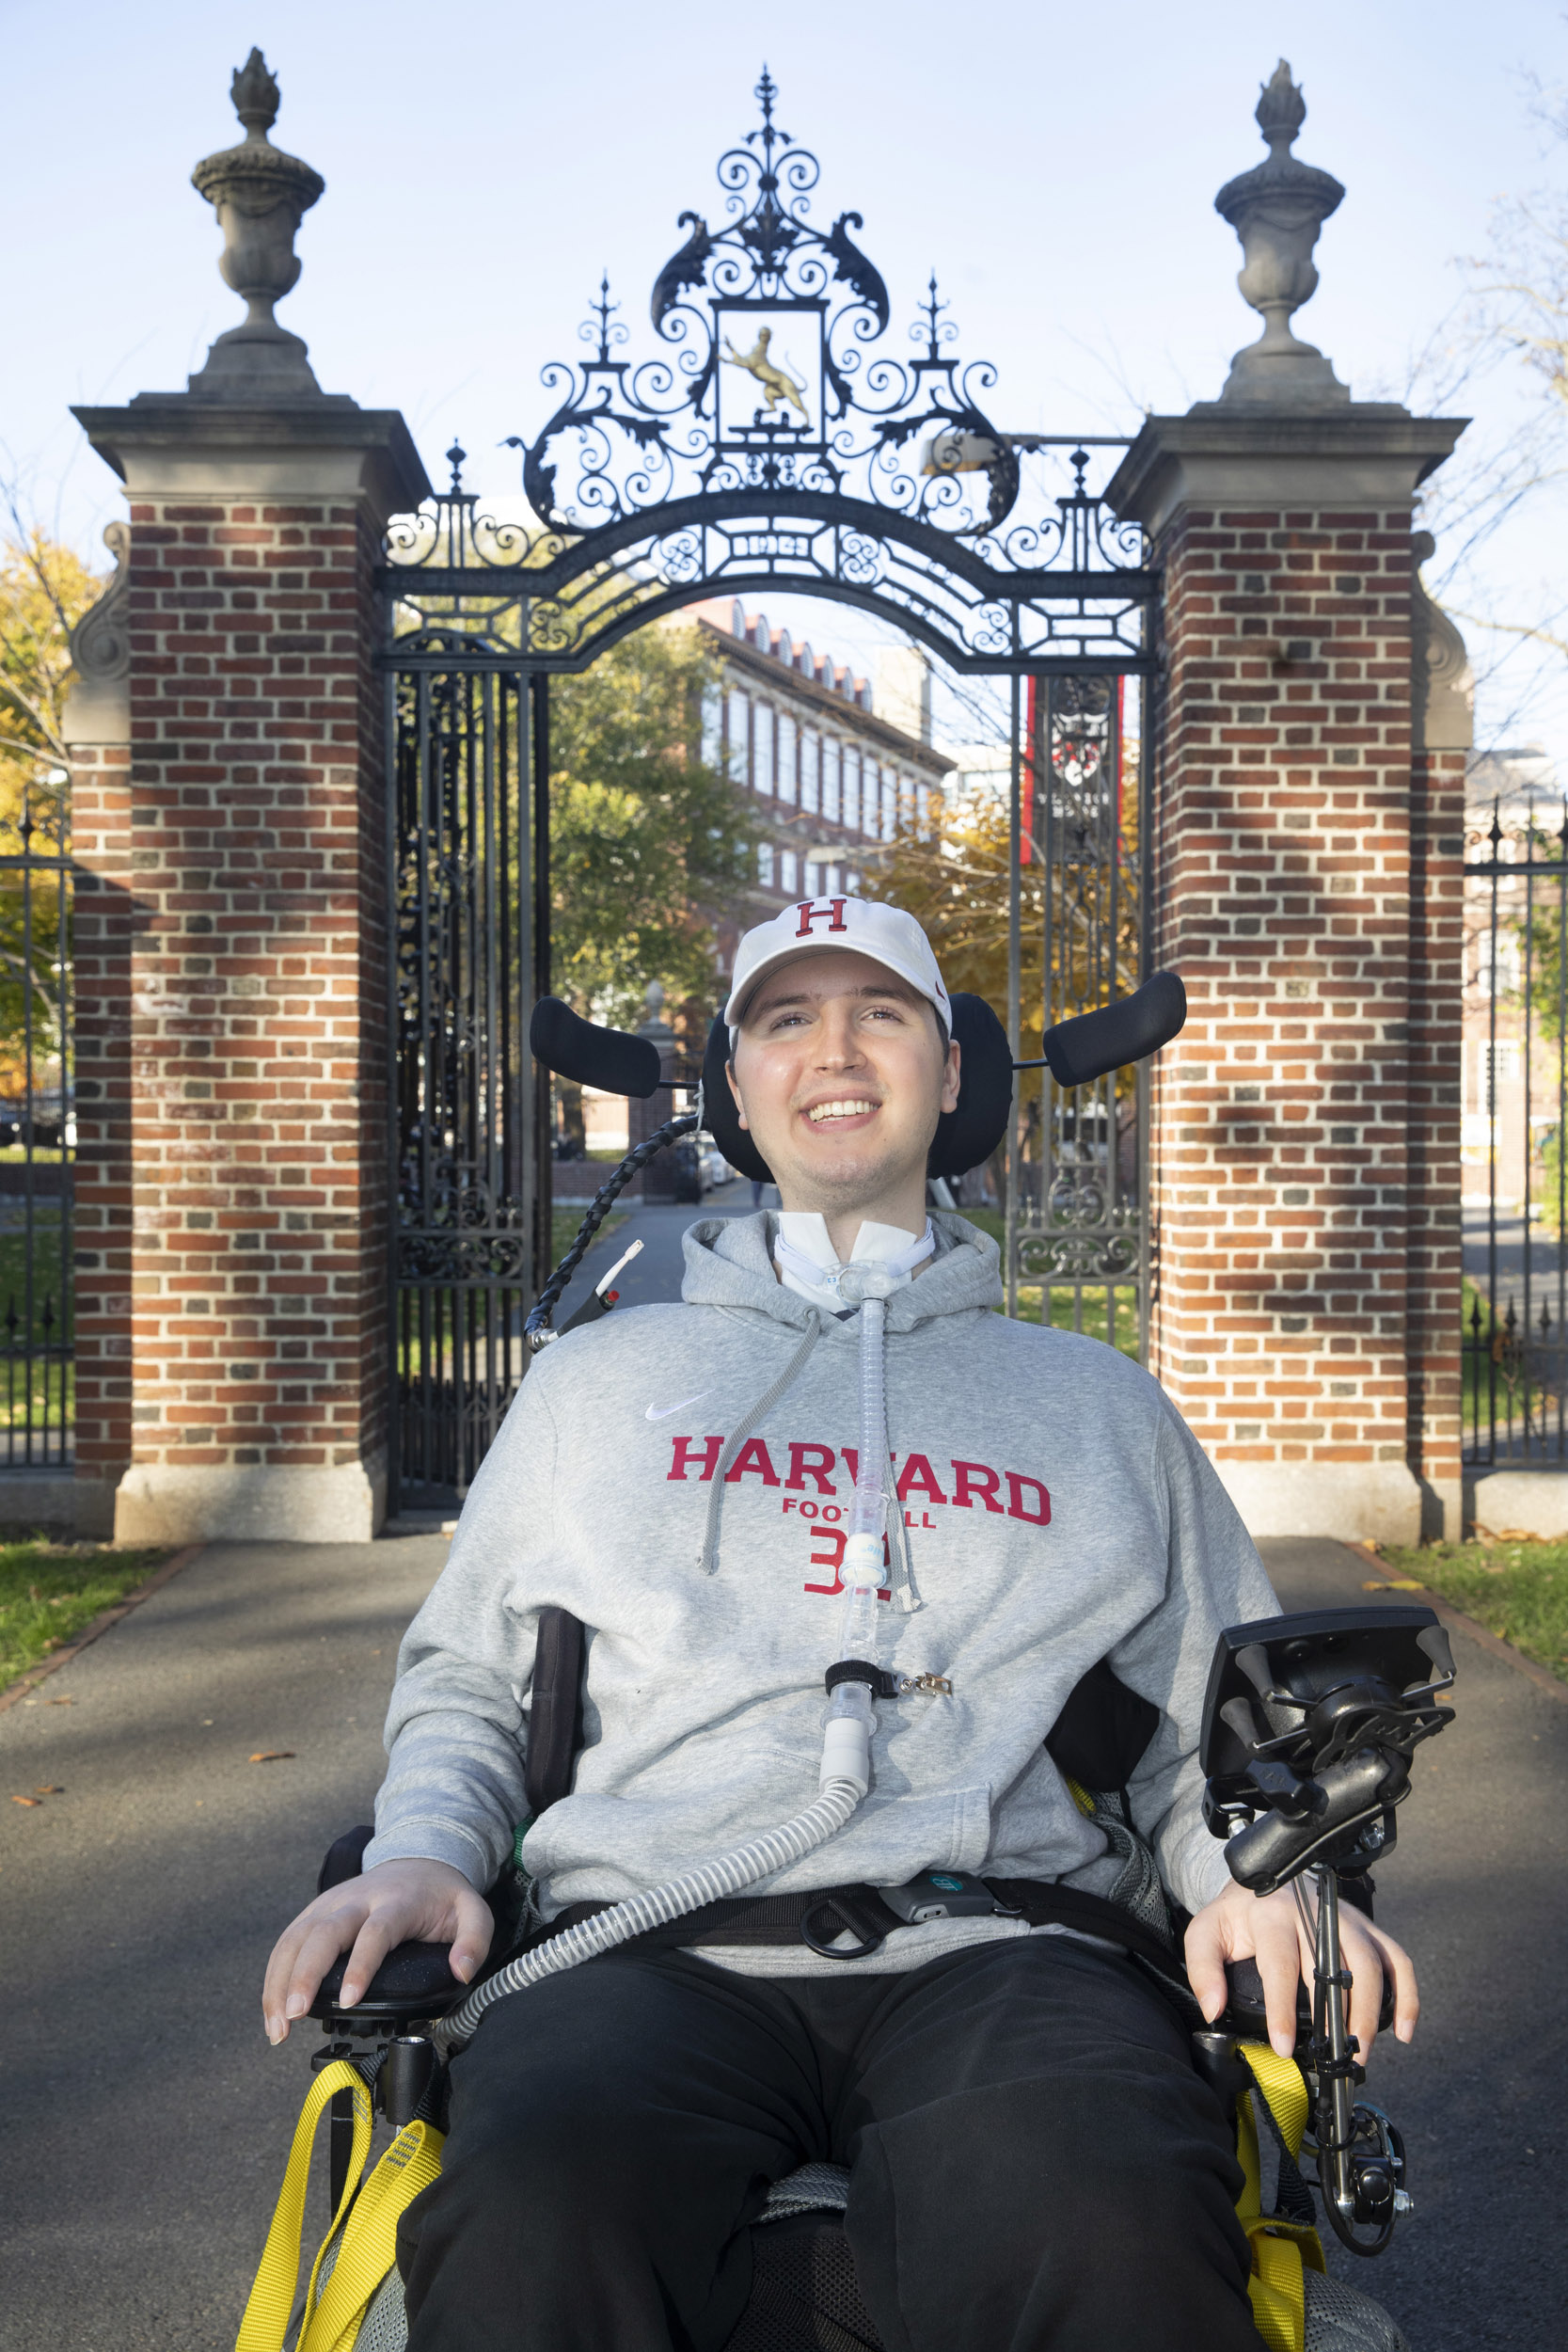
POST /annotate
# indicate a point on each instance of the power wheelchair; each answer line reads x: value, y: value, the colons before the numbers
x: 1309, y: 1726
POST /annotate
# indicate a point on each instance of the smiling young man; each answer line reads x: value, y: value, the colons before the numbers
x: 1033, y: 2160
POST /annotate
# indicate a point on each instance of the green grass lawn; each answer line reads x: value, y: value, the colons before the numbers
x: 46, y: 1269
x: 1031, y: 1295
x: 1517, y: 1591
x: 47, y: 1382
x: 1495, y: 1374
x: 49, y: 1592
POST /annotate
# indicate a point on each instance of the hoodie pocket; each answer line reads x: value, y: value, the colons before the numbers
x: 971, y: 1837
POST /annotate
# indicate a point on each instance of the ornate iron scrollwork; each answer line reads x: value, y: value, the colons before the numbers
x: 817, y: 412
x: 771, y: 440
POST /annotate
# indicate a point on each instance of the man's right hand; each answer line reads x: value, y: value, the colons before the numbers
x: 397, y: 1903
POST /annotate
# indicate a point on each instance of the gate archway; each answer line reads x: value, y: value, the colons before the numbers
x: 771, y: 439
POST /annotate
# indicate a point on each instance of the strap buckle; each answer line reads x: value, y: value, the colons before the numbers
x: 848, y: 1914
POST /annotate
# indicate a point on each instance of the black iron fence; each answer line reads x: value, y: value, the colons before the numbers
x: 1077, y: 1228
x: 37, y: 1134
x: 1514, y: 1316
x: 472, y: 1236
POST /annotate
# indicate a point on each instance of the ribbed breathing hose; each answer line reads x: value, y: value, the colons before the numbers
x: 849, y: 1725
x: 709, y: 1883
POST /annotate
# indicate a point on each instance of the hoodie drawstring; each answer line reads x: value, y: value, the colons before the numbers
x: 906, y: 1598
x: 758, y: 1413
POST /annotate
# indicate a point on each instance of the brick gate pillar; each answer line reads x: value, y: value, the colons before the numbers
x: 1304, y: 1171
x: 232, y: 906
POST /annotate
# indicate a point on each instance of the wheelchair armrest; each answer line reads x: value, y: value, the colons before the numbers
x: 414, y: 1982
x: 344, y: 1858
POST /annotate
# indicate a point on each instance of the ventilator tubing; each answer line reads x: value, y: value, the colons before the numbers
x: 845, y: 1770
x: 851, y: 1716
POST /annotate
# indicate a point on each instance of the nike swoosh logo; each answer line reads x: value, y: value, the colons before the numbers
x: 662, y: 1412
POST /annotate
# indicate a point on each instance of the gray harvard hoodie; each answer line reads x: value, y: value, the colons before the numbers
x: 1056, y: 1511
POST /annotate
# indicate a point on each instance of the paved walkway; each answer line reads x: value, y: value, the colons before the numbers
x: 1476, y: 1890
x: 144, y: 2121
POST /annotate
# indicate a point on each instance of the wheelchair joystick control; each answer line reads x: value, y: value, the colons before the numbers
x: 1309, y: 1726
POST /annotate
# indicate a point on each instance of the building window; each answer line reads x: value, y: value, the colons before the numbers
x: 764, y: 773
x: 790, y: 876
x: 788, y: 765
x: 811, y: 770
x: 765, y: 864
x: 832, y: 780
x: 1498, y: 974
x: 853, y: 787
x: 739, y: 744
x: 713, y: 728
x: 1499, y: 1065
x: 890, y: 804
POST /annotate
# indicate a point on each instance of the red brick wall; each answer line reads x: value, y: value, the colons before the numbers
x: 231, y: 1044
x: 1283, y: 846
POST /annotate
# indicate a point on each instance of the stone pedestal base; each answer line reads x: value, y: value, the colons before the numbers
x: 1522, y: 1503
x: 258, y: 1503
x: 1358, y: 1503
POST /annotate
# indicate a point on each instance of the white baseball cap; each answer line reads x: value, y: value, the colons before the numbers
x: 886, y: 934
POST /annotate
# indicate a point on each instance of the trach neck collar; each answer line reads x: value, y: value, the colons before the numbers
x: 884, y: 1260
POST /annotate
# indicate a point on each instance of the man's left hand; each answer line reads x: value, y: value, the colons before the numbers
x: 1268, y: 1929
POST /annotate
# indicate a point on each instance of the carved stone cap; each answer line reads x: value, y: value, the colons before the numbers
x: 1279, y: 113
x: 1366, y: 454
x: 166, y: 445
x: 98, y: 708
x: 100, y: 642
x: 1443, y: 687
x: 270, y: 173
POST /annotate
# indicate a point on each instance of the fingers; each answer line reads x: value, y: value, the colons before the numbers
x: 1204, y: 1950
x: 320, y: 1947
x: 1278, y: 1950
x: 367, y: 1917
x: 302, y: 1956
x: 1371, y: 1956
x: 375, y: 1939
x: 1407, y: 2000
x: 473, y: 1929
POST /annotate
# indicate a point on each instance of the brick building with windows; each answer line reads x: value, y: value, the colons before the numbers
x: 836, y: 763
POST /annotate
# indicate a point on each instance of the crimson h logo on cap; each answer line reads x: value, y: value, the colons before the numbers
x: 886, y: 934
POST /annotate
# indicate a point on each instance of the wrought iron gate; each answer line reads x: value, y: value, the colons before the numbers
x: 1514, y: 1188
x: 766, y: 444
x: 1077, y: 1171
x: 469, y: 886
x: 38, y: 1135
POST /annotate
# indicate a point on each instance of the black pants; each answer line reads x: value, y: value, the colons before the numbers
x: 1033, y: 2161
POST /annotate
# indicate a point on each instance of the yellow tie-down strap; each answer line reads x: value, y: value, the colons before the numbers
x: 366, y: 2239
x: 1281, y: 2249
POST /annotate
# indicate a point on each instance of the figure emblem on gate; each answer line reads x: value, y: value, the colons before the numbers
x: 776, y: 385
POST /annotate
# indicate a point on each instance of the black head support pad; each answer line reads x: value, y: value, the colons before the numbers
x: 589, y: 1056
x: 964, y: 1136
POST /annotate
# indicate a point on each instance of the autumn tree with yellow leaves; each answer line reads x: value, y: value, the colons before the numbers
x: 45, y: 590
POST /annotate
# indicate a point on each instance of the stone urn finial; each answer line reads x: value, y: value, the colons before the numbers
x: 1278, y: 210
x: 259, y: 196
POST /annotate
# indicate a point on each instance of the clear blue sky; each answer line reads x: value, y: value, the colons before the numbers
x: 1056, y: 164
